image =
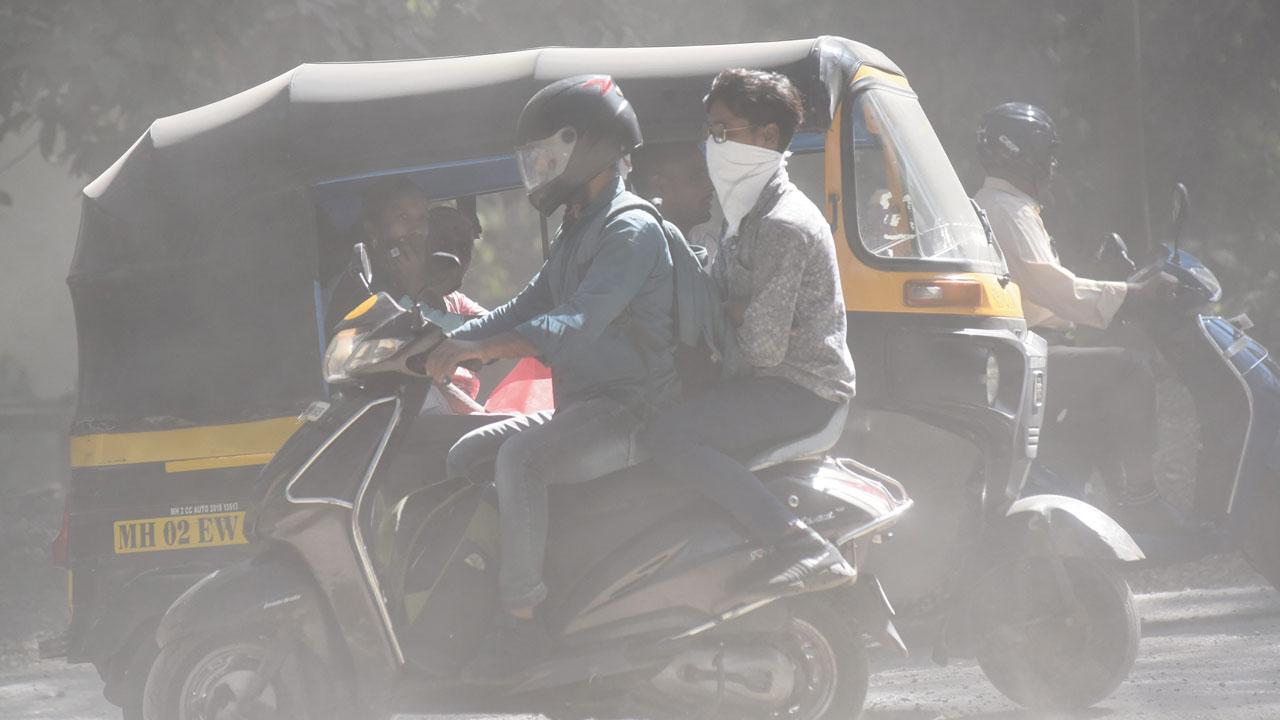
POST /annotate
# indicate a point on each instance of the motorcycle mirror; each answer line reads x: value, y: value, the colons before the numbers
x: 1114, y: 246
x: 366, y: 267
x: 444, y: 273
x: 1181, y: 206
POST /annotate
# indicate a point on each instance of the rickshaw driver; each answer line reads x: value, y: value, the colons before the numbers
x: 1106, y: 393
x: 401, y: 231
x: 777, y: 269
x: 600, y: 314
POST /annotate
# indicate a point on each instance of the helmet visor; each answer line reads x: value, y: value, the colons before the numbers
x: 542, y: 161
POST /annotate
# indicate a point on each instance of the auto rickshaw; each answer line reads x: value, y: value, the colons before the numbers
x: 204, y: 253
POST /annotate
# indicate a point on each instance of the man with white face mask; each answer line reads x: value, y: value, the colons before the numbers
x: 777, y: 270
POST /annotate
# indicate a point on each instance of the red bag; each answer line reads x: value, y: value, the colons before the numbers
x: 525, y: 390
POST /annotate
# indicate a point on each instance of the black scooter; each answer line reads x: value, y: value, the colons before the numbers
x: 1235, y: 386
x: 377, y: 582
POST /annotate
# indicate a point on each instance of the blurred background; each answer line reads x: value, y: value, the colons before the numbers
x: 1145, y: 92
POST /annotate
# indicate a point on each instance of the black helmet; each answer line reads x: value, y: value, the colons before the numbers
x: 1021, y: 138
x: 568, y: 133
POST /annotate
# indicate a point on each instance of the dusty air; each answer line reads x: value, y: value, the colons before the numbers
x: 387, y: 359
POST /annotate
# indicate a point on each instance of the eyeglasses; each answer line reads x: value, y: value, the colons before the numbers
x: 719, y: 133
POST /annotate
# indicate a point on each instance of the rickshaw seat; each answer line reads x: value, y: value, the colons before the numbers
x: 813, y: 445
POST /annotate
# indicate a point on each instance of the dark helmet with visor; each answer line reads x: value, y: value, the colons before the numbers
x: 569, y: 132
x: 1021, y: 138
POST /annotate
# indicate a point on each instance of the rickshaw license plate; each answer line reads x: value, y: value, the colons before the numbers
x: 183, y: 532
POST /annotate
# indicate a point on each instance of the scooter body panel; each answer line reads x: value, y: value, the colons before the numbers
x: 1259, y: 379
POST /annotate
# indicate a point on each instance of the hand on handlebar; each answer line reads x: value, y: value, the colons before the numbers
x: 444, y: 359
x: 1159, y: 289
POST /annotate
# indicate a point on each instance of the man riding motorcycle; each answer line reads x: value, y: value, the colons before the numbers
x: 1103, y: 395
x: 599, y: 312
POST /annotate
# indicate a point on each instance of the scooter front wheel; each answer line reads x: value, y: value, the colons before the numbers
x: 234, y: 675
x: 1047, y: 649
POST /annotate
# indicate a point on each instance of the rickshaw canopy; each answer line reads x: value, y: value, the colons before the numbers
x: 195, y: 278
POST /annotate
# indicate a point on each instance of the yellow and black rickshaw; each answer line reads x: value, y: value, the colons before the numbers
x: 204, y: 253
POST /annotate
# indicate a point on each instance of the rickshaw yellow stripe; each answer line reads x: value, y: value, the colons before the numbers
x: 230, y: 461
x: 257, y: 438
x: 867, y: 71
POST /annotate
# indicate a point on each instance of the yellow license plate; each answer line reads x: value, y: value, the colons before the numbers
x: 182, y: 532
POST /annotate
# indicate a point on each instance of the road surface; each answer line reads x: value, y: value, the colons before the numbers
x: 1205, y: 654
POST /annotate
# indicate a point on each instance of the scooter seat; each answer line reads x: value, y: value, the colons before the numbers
x: 803, y: 448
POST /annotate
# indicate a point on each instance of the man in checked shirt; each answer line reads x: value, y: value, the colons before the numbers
x: 777, y: 269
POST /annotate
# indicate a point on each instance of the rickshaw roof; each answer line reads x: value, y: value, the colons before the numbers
x: 210, y: 218
x: 324, y: 121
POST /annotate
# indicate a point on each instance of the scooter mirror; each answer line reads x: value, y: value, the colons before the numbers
x: 444, y: 273
x: 1181, y: 206
x: 366, y: 267
x: 1113, y: 247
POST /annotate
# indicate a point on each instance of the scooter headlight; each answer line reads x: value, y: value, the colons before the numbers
x: 349, y: 353
x: 335, y: 358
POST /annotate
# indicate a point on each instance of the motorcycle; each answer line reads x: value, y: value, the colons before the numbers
x: 1235, y: 388
x: 373, y: 591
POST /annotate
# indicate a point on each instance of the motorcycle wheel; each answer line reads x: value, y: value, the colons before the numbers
x: 831, y: 663
x: 199, y: 676
x: 1035, y: 650
x: 1260, y: 541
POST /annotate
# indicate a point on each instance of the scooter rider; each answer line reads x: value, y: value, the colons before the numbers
x: 599, y: 313
x: 777, y: 270
x: 1106, y: 393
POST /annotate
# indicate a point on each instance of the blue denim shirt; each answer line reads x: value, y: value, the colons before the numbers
x: 600, y: 309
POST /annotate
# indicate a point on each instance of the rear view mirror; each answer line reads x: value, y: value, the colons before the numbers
x: 443, y: 273
x: 1115, y: 249
x: 361, y: 260
x: 1181, y: 207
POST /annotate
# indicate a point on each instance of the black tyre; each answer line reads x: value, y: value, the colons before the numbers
x: 831, y: 663
x: 134, y: 678
x: 200, y: 676
x: 1260, y: 540
x: 1038, y: 651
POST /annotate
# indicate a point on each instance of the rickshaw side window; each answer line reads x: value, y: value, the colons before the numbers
x: 908, y: 202
x: 807, y: 171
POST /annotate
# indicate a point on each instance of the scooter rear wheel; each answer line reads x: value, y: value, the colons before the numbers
x: 1038, y: 651
x: 200, y: 676
x: 831, y: 663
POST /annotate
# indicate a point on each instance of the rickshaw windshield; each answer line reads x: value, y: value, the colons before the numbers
x: 909, y: 202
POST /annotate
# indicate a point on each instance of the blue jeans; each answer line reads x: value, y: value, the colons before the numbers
x: 698, y: 439
x: 585, y: 441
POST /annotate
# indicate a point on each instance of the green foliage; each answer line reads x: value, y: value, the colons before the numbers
x: 93, y: 74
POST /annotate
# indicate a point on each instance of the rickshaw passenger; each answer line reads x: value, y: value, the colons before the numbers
x: 777, y: 269
x: 599, y: 312
x: 1107, y: 395
x: 674, y: 177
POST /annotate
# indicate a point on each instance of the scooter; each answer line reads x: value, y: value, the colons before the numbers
x: 375, y: 589
x: 1235, y: 387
